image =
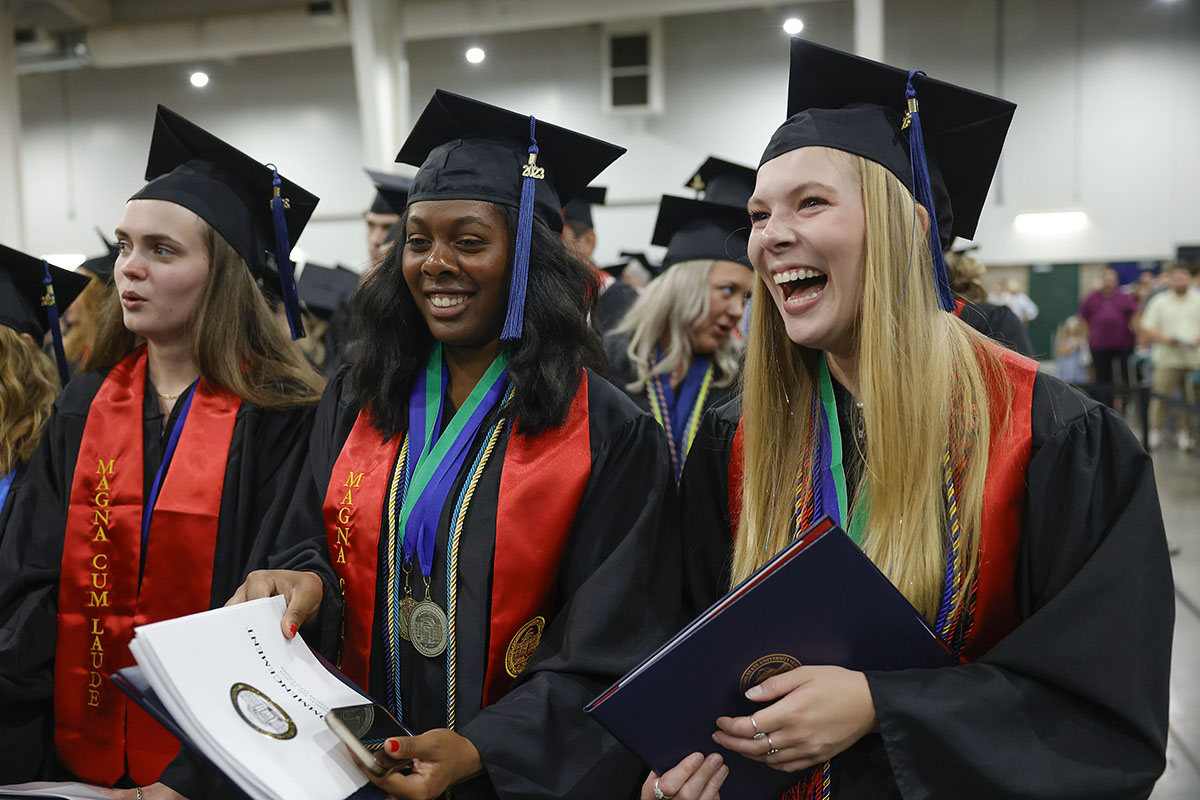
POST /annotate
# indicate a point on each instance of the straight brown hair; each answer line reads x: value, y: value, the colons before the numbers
x: 236, y: 342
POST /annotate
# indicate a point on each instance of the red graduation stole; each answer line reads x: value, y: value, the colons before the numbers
x: 98, y: 735
x: 541, y: 484
x: 1003, y: 501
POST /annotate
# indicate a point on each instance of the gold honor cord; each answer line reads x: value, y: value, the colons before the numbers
x: 393, y: 615
x: 452, y: 567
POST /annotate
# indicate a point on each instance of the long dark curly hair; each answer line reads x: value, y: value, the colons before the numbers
x: 544, y: 365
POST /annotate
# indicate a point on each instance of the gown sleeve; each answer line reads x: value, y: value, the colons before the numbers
x: 1073, y: 702
x: 618, y: 590
x: 707, y: 533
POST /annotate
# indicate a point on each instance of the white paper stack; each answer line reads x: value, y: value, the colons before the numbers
x: 251, y: 700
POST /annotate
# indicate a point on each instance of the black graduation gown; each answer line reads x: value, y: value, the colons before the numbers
x: 612, y: 305
x: 618, y: 598
x: 10, y: 501
x: 265, y: 456
x: 998, y: 323
x: 1073, y: 702
x: 621, y: 373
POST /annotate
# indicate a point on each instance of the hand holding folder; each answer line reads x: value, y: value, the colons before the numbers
x: 820, y: 601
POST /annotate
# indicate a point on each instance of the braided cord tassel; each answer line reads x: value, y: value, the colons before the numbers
x: 923, y: 192
x: 51, y: 306
x: 514, y: 321
x: 283, y: 259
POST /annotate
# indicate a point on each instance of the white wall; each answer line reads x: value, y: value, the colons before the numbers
x: 86, y: 135
x: 1108, y: 118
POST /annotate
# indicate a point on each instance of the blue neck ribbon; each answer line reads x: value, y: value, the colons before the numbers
x: 436, y: 457
x: 680, y: 405
x: 172, y: 442
x: 6, y: 482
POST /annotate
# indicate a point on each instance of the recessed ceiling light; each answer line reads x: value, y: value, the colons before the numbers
x: 199, y: 79
x: 475, y: 55
x: 793, y: 26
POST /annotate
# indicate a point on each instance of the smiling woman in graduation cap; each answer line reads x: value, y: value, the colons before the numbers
x: 674, y: 353
x: 1011, y: 511
x: 145, y: 499
x: 500, y: 516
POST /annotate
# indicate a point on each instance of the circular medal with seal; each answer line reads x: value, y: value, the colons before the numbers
x: 767, y: 667
x: 523, y: 643
x: 261, y: 712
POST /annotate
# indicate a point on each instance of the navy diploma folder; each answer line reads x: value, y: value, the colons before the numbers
x: 819, y: 601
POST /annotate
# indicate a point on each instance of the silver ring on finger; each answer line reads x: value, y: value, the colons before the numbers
x: 757, y: 733
x: 773, y: 749
x: 659, y: 794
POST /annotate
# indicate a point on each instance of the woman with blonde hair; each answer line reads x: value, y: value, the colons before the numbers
x: 675, y: 353
x: 28, y: 383
x: 160, y: 464
x: 1004, y: 506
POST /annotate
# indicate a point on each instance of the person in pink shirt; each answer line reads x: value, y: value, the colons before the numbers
x: 1109, y: 312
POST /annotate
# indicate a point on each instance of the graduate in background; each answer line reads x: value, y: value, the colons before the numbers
x: 675, y: 353
x: 28, y: 382
x: 83, y: 315
x: 160, y: 463
x: 1020, y: 518
x: 965, y: 275
x: 501, y: 516
x: 612, y: 297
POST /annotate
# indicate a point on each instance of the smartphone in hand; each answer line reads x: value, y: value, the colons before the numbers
x: 364, y: 729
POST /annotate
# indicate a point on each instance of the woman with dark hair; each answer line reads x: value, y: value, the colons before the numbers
x: 160, y: 463
x: 499, y: 516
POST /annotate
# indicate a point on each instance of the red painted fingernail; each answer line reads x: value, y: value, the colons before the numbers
x: 393, y: 746
x: 293, y: 629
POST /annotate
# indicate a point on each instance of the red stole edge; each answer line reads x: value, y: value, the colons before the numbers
x: 352, y: 529
x: 97, y: 734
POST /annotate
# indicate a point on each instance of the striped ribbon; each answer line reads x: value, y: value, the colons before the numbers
x: 657, y: 393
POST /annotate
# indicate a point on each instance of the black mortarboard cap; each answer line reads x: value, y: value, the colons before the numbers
x: 579, y: 207
x: 630, y: 257
x: 721, y: 181
x: 697, y: 229
x: 849, y: 103
x: 391, y: 192
x: 31, y: 294
x: 234, y: 194
x: 322, y: 288
x: 103, y: 266
x: 953, y: 136
x: 469, y: 150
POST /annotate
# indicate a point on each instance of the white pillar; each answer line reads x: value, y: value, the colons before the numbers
x: 380, y: 77
x: 868, y: 29
x: 12, y: 228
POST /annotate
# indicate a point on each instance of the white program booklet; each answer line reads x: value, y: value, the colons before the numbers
x: 253, y: 702
x: 61, y: 791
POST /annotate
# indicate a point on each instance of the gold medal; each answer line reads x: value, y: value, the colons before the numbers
x: 428, y: 630
x: 405, y: 614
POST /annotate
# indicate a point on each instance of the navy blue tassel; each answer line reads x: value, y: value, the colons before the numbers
x: 51, y: 306
x: 514, y: 322
x: 924, y: 193
x: 283, y: 260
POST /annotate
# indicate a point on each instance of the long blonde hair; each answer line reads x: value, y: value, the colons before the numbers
x: 235, y: 340
x: 669, y: 308
x: 922, y: 378
x: 28, y: 385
